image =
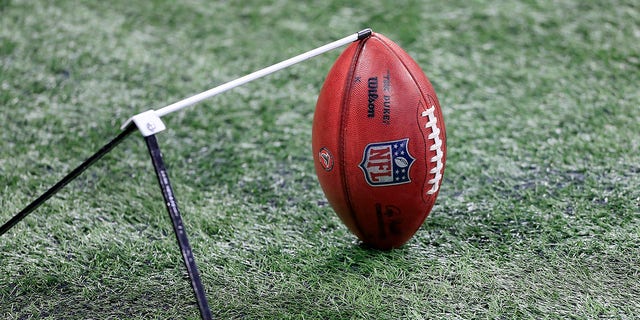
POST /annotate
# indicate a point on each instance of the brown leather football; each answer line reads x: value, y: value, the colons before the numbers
x: 379, y: 142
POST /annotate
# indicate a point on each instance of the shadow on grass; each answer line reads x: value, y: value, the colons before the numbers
x: 325, y: 283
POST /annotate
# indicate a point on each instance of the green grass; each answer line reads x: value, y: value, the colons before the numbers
x: 538, y: 216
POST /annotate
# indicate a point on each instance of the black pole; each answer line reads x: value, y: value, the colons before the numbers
x: 178, y: 227
x: 68, y: 178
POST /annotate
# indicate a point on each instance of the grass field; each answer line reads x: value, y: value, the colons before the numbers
x: 538, y: 215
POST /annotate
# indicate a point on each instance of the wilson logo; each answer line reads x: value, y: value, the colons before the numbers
x: 372, y: 83
x: 387, y: 163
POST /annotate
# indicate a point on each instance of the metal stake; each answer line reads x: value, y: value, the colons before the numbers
x: 178, y: 227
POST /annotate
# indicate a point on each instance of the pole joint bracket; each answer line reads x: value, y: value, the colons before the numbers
x: 148, y: 123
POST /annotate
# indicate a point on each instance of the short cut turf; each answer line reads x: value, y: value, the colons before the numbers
x: 538, y: 216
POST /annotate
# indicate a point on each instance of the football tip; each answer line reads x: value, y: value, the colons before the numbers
x: 365, y: 33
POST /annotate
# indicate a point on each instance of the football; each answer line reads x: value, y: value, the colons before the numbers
x: 378, y: 142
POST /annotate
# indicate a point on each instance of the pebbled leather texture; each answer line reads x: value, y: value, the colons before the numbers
x: 379, y: 142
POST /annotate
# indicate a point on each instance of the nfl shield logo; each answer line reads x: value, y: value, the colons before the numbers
x: 387, y: 163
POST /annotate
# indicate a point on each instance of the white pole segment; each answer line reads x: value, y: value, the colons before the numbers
x: 260, y: 73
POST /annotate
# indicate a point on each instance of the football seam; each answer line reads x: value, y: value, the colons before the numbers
x: 437, y: 159
x: 343, y: 128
